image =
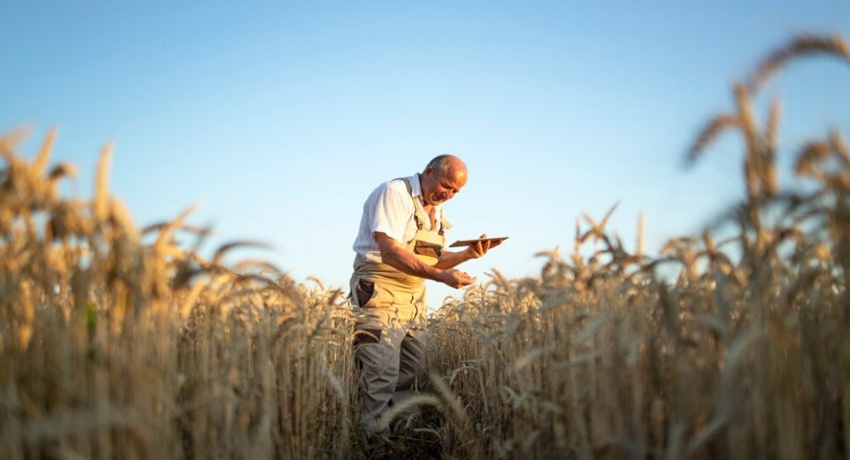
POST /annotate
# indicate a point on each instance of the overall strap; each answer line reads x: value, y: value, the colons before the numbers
x: 420, y: 216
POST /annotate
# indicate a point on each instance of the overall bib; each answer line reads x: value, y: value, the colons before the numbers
x: 391, y: 319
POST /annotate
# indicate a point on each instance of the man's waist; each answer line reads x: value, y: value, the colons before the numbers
x: 373, y: 270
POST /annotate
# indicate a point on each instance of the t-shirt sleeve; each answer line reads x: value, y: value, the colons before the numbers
x: 390, y: 213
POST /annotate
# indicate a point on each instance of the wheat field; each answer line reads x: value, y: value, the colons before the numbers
x: 117, y: 341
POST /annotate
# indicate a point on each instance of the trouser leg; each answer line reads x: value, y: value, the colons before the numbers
x: 411, y: 369
x: 379, y: 371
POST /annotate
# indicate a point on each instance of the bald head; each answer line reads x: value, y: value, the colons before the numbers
x: 442, y: 178
x: 448, y: 165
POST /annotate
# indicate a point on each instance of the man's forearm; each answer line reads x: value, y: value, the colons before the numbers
x: 408, y: 264
x: 451, y: 259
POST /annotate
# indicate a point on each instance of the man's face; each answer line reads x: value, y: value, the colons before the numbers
x: 439, y: 187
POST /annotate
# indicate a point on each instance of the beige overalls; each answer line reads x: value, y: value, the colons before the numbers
x: 391, y: 323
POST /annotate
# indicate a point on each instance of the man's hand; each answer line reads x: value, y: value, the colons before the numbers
x: 477, y: 250
x: 455, y: 278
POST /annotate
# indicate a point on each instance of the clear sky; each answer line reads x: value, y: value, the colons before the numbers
x: 279, y: 117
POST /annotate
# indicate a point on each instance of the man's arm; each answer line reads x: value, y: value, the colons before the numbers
x: 451, y: 259
x: 394, y: 255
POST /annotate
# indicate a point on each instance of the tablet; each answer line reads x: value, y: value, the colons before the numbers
x: 458, y: 243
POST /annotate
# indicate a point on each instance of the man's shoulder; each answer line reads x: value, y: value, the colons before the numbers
x: 391, y: 193
x: 398, y: 186
x: 391, y: 199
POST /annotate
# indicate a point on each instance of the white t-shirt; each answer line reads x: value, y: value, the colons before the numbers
x: 389, y: 209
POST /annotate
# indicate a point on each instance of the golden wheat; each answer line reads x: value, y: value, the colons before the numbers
x: 117, y: 342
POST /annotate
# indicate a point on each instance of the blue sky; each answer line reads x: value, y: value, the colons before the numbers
x: 278, y: 118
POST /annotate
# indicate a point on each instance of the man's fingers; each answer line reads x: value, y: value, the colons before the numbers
x: 481, y: 248
x: 460, y: 279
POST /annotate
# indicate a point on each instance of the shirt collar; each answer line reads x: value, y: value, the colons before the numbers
x: 415, y: 186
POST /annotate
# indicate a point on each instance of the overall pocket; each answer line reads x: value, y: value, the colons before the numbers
x: 424, y: 248
x: 363, y: 292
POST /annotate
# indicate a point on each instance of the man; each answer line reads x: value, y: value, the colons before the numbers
x: 400, y: 245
